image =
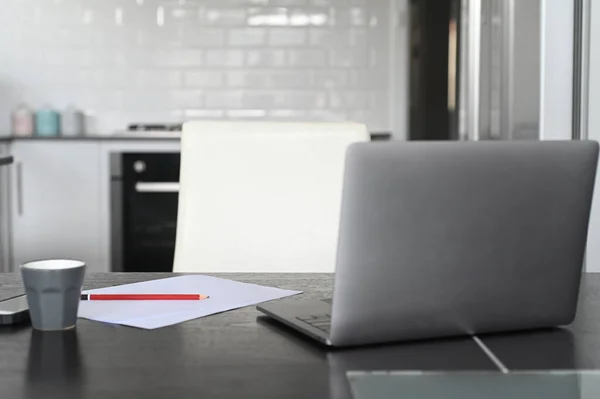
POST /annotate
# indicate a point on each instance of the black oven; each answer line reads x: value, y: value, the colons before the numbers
x: 144, y: 195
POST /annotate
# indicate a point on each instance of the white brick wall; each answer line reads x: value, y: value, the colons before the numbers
x: 126, y: 61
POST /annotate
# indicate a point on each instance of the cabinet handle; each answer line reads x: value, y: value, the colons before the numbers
x: 20, y: 188
x: 146, y: 187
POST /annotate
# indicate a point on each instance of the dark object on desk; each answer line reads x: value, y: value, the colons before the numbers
x: 14, y: 310
x: 438, y: 201
x: 231, y: 355
x: 53, y: 288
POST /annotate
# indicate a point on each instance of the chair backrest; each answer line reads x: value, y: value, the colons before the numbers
x: 261, y: 196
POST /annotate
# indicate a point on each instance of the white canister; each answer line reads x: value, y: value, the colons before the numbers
x: 22, y: 121
x: 72, y: 122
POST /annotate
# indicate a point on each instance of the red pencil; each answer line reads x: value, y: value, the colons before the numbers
x: 142, y: 297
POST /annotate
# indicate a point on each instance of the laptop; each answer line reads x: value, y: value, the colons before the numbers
x: 440, y: 239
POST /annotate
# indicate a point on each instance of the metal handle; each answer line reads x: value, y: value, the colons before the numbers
x: 470, y: 69
x: 19, y: 171
x: 474, y: 68
x: 152, y: 187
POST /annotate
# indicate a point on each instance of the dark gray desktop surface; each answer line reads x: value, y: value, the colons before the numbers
x: 243, y: 354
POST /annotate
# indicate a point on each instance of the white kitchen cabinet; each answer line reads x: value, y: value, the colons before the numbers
x: 55, y: 202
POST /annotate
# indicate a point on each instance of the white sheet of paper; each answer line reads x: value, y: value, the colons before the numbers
x: 223, y: 295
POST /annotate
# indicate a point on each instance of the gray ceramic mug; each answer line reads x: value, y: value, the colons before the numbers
x: 53, y: 290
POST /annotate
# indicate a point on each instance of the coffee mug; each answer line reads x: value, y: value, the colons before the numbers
x: 53, y: 289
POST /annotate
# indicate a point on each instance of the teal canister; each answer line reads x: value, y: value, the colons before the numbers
x: 47, y: 122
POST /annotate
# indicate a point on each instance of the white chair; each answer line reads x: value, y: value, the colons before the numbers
x: 261, y: 196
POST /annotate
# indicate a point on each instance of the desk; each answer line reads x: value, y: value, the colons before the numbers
x: 240, y: 354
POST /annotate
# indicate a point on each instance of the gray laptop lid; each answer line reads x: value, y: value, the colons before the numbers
x: 452, y: 238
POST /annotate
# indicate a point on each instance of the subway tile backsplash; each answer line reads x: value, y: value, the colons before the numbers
x: 128, y: 61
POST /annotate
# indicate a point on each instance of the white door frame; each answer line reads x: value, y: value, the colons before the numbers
x: 589, y: 115
x: 557, y: 47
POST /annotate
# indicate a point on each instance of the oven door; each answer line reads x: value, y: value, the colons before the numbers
x: 150, y: 187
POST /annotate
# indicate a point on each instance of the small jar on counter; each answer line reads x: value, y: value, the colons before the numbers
x: 72, y: 122
x: 47, y: 122
x: 22, y: 121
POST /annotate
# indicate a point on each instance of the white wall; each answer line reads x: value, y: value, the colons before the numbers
x: 125, y: 61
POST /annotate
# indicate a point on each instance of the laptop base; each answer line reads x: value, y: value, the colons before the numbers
x: 291, y: 312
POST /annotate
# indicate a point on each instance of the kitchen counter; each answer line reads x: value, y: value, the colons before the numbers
x: 6, y: 160
x: 130, y: 136
x: 175, y: 136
